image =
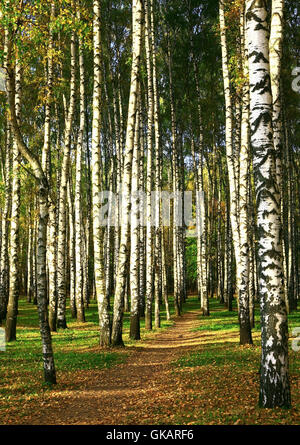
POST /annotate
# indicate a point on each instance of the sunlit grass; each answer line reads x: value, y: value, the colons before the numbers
x: 77, y: 350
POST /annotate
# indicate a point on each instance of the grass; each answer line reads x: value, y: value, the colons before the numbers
x: 21, y: 368
x: 220, y: 357
x: 222, y: 378
x: 76, y: 349
x: 225, y: 324
x: 216, y: 383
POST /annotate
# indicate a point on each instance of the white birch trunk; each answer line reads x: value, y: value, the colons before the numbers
x: 149, y: 229
x: 4, y: 260
x: 104, y: 319
x: 137, y: 16
x: 274, y: 375
x: 135, y: 235
x: 236, y: 174
x: 78, y: 198
x: 63, y: 198
x: 48, y: 359
x: 14, y: 275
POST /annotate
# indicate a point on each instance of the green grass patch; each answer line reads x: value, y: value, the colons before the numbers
x: 86, y: 360
x: 75, y: 349
x: 216, y: 356
x: 223, y: 348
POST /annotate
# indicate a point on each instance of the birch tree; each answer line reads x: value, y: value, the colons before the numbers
x: 149, y: 179
x: 4, y: 260
x: 104, y: 318
x: 137, y: 16
x: 63, y: 196
x: 237, y: 182
x: 135, y: 236
x: 78, y: 185
x: 14, y: 274
x: 48, y: 359
x: 274, y: 373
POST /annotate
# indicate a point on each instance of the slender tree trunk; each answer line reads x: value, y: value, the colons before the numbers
x: 135, y: 232
x: 229, y: 258
x: 52, y: 262
x: 275, y: 56
x: 34, y: 261
x: 78, y: 197
x: 104, y: 318
x: 4, y: 261
x: 158, y: 166
x: 198, y: 223
x: 29, y: 258
x: 46, y: 165
x: 238, y: 202
x: 118, y: 184
x: 201, y: 209
x: 164, y: 278
x: 149, y: 216
x: 14, y: 275
x: 291, y: 263
x: 62, y: 228
x: 71, y: 250
x: 142, y: 235
x: 174, y: 186
x: 48, y: 359
x: 243, y: 266
x: 88, y: 229
x: 274, y: 375
x: 137, y: 16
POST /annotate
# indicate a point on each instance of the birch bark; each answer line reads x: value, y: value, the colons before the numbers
x: 149, y: 216
x: 48, y: 359
x: 237, y: 184
x: 78, y: 197
x: 137, y: 16
x: 104, y: 318
x: 14, y: 276
x: 63, y: 198
x: 274, y: 374
x: 135, y: 233
x: 4, y: 262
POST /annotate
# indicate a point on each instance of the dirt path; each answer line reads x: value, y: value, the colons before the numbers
x: 128, y: 393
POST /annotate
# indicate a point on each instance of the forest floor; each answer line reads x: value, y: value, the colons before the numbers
x: 192, y: 371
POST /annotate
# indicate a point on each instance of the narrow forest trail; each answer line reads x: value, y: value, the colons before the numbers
x: 129, y: 392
